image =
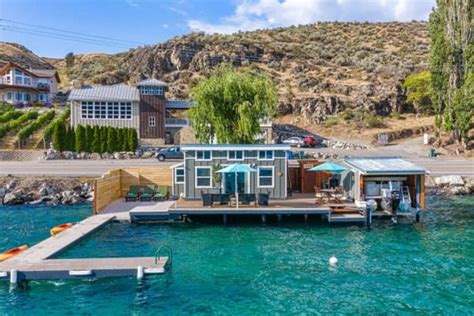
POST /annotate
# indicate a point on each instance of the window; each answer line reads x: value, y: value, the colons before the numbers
x: 203, y: 155
x: 125, y: 110
x: 18, y: 72
x: 203, y: 177
x: 87, y: 110
x: 42, y: 97
x: 179, y: 175
x: 235, y: 155
x: 265, y: 155
x: 149, y: 90
x: 265, y: 177
x: 9, y: 95
x: 151, y: 121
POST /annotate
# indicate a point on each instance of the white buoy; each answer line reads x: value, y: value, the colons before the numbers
x: 14, y: 276
x: 333, y: 261
x: 140, y: 272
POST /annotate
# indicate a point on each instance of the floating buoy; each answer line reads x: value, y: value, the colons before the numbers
x: 60, y: 228
x: 333, y: 261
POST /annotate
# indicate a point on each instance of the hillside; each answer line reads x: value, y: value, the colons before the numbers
x: 320, y: 69
x: 12, y: 52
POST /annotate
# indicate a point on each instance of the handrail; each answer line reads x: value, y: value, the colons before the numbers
x: 170, y: 254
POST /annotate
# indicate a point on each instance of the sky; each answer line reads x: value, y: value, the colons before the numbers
x: 52, y: 28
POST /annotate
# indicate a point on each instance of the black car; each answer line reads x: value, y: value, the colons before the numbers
x: 169, y: 153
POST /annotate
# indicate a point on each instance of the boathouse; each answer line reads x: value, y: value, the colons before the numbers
x: 197, y: 174
x: 369, y: 178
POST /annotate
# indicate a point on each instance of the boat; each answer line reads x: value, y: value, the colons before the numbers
x: 12, y: 252
x: 60, y: 228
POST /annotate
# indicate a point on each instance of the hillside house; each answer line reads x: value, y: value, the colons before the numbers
x: 20, y: 84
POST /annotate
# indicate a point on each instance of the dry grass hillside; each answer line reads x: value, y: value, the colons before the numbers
x: 321, y: 70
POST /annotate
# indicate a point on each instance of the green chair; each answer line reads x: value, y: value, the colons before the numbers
x: 161, y: 192
x: 146, y: 193
x: 133, y: 193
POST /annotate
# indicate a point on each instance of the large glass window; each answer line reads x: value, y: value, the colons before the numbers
x: 106, y: 110
x: 203, y: 177
x: 265, y: 177
x: 179, y: 175
x: 235, y: 155
x: 203, y: 155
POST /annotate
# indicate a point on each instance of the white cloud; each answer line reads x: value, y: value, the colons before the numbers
x: 256, y: 14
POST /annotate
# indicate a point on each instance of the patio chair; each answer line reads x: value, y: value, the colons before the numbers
x: 320, y: 196
x: 160, y: 192
x: 206, y: 199
x: 244, y: 199
x: 133, y: 193
x: 263, y: 199
x: 147, y: 193
x: 224, y: 199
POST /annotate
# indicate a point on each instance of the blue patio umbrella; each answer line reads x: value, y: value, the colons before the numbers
x: 329, y: 167
x: 235, y: 168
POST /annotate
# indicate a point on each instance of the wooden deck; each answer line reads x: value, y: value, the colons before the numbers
x: 38, y: 261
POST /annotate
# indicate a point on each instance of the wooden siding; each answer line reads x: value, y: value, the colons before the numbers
x: 115, y: 184
x: 310, y: 179
x: 250, y: 157
x: 152, y: 105
x: 121, y: 123
x: 107, y: 189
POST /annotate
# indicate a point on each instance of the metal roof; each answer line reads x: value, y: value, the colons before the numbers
x: 383, y: 165
x: 234, y: 147
x: 179, y: 104
x: 118, y: 92
x: 151, y: 82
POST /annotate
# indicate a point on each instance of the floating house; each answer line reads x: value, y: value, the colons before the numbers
x: 197, y: 173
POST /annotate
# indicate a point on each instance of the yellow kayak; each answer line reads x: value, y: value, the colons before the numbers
x: 60, y: 228
x: 12, y: 252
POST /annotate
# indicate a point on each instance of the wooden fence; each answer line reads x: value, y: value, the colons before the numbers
x: 115, y: 184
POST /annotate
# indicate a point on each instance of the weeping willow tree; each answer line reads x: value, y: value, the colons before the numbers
x: 229, y: 106
x: 452, y: 65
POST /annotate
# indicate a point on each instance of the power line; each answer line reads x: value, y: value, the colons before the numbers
x: 58, y: 36
x: 91, y: 36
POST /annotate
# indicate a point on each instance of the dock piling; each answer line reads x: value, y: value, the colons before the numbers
x: 140, y: 272
x: 368, y: 219
x: 224, y: 217
x: 417, y: 216
x: 264, y: 219
x: 14, y: 276
x: 279, y: 218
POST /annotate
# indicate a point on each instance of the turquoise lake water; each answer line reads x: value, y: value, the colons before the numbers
x: 251, y: 269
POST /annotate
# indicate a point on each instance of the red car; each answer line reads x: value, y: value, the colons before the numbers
x: 311, y: 141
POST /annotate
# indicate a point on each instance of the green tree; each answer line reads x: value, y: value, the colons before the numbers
x: 419, y: 91
x: 81, y: 142
x: 230, y: 104
x: 59, y: 137
x: 111, y: 139
x: 72, y: 139
x: 103, y: 139
x: 132, y: 140
x: 89, y: 138
x: 69, y: 60
x: 96, y: 146
x: 124, y: 139
x: 452, y: 64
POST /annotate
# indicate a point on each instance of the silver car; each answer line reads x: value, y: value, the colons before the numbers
x: 295, y: 142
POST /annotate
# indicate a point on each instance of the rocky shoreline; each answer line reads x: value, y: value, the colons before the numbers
x: 49, y: 191
x: 68, y: 191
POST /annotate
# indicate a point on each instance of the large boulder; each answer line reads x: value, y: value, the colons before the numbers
x: 95, y: 156
x: 69, y: 155
x: 13, y: 198
x: 450, y: 181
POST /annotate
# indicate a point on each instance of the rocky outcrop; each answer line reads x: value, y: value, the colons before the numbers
x: 52, y: 154
x: 450, y: 185
x: 52, y: 191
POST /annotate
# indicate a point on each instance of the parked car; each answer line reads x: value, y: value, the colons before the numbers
x: 311, y: 141
x: 295, y: 142
x: 169, y: 153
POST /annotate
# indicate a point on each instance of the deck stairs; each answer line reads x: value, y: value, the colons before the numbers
x: 346, y: 215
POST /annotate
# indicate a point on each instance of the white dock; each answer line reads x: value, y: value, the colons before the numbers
x: 37, y: 262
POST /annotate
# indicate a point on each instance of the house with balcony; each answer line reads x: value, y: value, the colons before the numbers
x: 142, y: 106
x: 20, y: 84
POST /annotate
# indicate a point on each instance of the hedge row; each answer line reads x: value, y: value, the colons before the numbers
x: 6, y: 107
x: 29, y: 129
x: 5, y: 128
x: 97, y: 139
x: 10, y: 115
x: 48, y: 131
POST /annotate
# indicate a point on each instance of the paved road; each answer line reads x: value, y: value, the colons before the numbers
x: 65, y: 168
x: 72, y: 168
